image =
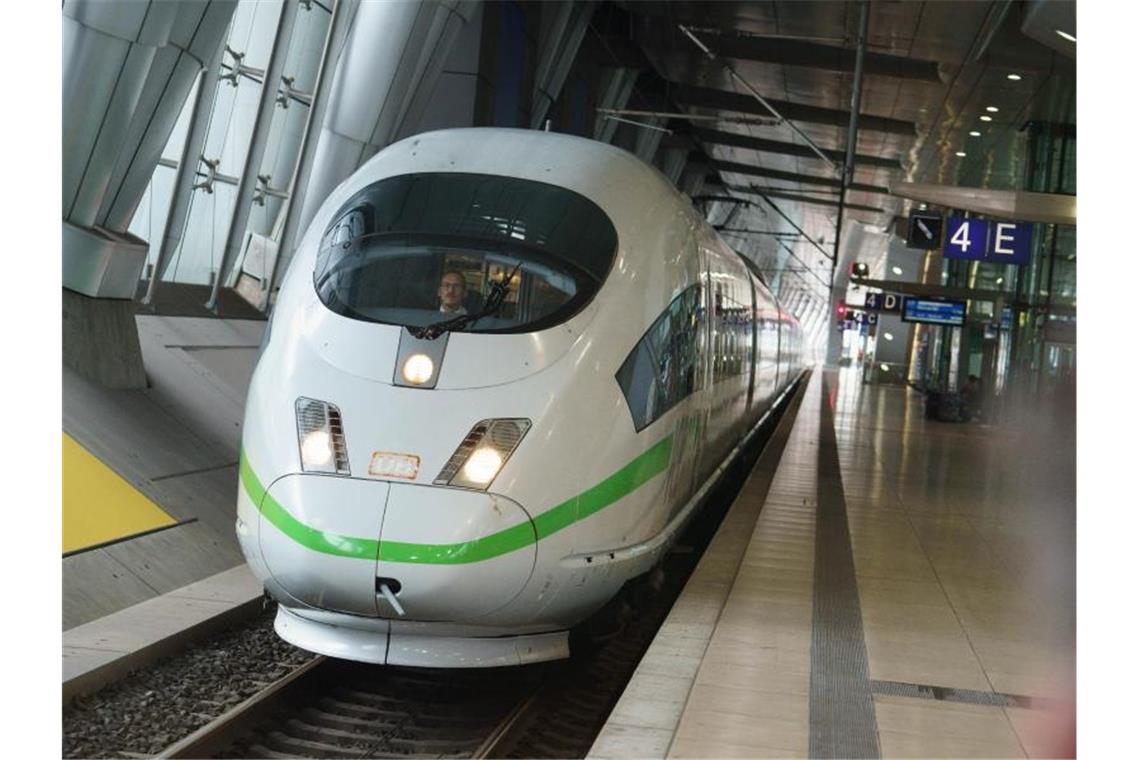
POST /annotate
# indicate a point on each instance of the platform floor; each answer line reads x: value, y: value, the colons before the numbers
x: 907, y: 590
x: 175, y: 445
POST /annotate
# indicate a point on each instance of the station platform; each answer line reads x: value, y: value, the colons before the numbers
x: 150, y: 475
x: 110, y: 647
x: 893, y: 587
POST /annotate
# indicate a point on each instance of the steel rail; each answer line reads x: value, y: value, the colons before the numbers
x: 223, y: 730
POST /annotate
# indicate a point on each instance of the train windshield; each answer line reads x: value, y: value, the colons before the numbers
x: 419, y: 249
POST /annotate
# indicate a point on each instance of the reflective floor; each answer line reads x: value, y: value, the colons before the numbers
x: 961, y: 553
x: 963, y: 537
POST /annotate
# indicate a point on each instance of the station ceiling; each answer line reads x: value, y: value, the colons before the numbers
x: 932, y: 71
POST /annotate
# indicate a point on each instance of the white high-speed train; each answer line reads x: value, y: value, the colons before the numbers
x: 460, y: 488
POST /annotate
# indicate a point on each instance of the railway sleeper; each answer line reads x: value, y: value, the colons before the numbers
x: 298, y: 747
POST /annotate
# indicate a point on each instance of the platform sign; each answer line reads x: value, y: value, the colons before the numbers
x: 883, y: 301
x: 1009, y: 243
x: 868, y: 318
x: 1007, y: 318
x: 979, y: 239
x: 934, y: 312
x: 924, y: 231
x: 966, y: 239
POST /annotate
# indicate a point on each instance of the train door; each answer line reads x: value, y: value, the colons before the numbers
x: 688, y: 430
x: 705, y: 393
x: 781, y: 344
x: 752, y: 353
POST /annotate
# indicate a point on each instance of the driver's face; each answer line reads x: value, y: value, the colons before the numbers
x: 451, y: 290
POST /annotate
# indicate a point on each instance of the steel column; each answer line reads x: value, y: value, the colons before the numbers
x: 179, y: 210
x: 849, y: 163
x: 266, y: 106
x: 561, y: 47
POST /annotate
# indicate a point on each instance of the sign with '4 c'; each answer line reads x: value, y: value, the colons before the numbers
x: 978, y: 239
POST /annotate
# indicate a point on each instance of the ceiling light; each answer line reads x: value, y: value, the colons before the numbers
x: 1066, y: 35
x: 960, y: 154
x: 888, y: 336
x: 992, y: 109
x: 975, y: 133
x: 896, y: 270
x: 884, y: 368
x: 1013, y: 77
x: 983, y: 117
x: 1000, y: 280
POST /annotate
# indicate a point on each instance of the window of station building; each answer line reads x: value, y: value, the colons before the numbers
x: 385, y: 256
x: 662, y: 369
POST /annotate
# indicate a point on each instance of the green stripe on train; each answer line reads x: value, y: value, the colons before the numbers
x: 623, y: 482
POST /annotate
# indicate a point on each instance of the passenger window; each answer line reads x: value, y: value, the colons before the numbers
x: 661, y: 370
x: 638, y: 381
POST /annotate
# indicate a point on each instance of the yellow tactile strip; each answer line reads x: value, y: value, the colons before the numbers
x: 99, y: 505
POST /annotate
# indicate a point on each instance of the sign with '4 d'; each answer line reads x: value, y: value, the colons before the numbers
x: 978, y: 239
x: 883, y: 301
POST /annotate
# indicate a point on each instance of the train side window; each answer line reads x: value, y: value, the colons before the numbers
x: 638, y: 381
x: 662, y: 368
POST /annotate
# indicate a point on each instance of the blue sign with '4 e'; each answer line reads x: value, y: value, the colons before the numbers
x: 978, y: 239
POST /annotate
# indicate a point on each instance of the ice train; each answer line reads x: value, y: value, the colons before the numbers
x: 502, y: 368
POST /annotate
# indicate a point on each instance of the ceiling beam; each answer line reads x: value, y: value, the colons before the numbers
x: 716, y: 137
x: 723, y: 100
x: 807, y: 179
x: 924, y: 290
x: 803, y: 198
x: 794, y: 52
x: 1020, y: 205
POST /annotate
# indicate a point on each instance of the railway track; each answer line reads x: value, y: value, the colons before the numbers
x: 335, y: 708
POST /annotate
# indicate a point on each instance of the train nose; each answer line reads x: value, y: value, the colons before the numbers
x: 444, y: 554
x: 456, y: 554
x: 320, y: 537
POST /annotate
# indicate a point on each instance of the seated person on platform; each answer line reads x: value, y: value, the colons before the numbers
x: 452, y: 290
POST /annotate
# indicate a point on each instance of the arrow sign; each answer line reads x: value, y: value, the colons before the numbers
x: 924, y: 231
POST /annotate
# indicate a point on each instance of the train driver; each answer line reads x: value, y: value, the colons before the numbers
x: 452, y: 290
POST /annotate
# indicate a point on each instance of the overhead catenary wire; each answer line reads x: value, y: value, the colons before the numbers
x: 780, y: 119
x: 640, y: 124
x: 788, y: 219
x: 761, y: 99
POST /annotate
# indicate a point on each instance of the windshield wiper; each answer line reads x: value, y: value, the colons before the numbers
x: 494, y: 302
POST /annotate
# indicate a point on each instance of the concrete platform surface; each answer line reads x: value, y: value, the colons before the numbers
x: 104, y: 650
x: 902, y: 588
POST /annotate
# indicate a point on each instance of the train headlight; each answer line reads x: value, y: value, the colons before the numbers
x: 417, y: 369
x: 320, y: 436
x: 316, y: 449
x: 483, y: 453
x: 483, y: 465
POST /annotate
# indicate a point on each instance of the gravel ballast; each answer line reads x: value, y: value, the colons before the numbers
x: 155, y: 707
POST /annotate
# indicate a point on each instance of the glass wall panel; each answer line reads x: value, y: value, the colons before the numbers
x: 232, y: 117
